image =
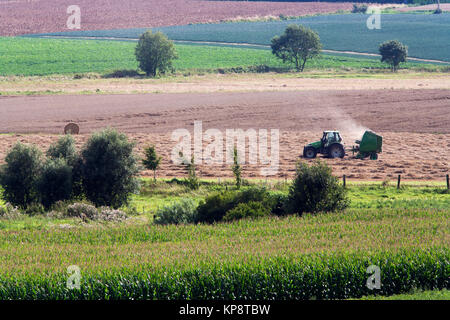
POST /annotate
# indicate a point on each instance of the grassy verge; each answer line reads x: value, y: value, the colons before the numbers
x: 31, y: 57
x: 417, y: 295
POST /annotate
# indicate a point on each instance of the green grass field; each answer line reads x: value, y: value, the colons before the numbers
x: 347, y: 32
x: 322, y: 256
x: 418, y: 295
x: 29, y: 57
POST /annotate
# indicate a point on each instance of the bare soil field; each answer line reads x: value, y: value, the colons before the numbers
x: 211, y: 83
x: 414, y: 125
x: 444, y: 7
x: 38, y: 16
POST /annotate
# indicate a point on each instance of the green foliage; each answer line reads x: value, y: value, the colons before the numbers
x: 34, y: 209
x: 20, y: 174
x: 151, y: 160
x: 393, y: 52
x: 65, y: 149
x: 55, y: 182
x: 297, y: 45
x: 191, y: 181
x: 251, y: 209
x: 236, y: 168
x: 15, y: 60
x: 216, y: 206
x: 155, y: 53
x: 180, y: 212
x: 315, y: 189
x: 109, y: 169
x: 324, y: 276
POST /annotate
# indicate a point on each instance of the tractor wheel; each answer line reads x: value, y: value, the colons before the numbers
x: 336, y: 151
x: 309, y: 153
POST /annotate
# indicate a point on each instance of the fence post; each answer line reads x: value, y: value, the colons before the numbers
x: 344, y: 180
x: 448, y: 183
x: 398, y: 181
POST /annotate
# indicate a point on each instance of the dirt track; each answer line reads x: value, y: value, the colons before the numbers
x: 414, y: 124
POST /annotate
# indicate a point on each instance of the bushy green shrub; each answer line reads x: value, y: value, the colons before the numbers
x: 34, y: 209
x: 55, y: 182
x: 215, y: 206
x: 109, y: 169
x: 64, y: 148
x: 278, y: 202
x: 155, y: 53
x: 315, y: 189
x: 20, y: 174
x: 180, y: 212
x: 252, y: 209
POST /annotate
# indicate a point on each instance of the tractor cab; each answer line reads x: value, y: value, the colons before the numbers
x: 330, y: 137
x: 330, y: 145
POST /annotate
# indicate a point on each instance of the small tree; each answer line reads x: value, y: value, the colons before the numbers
x: 55, y: 182
x: 155, y: 53
x: 315, y: 189
x: 297, y: 45
x: 151, y: 160
x: 20, y: 174
x: 192, y: 174
x: 192, y: 180
x: 237, y: 170
x: 393, y: 52
x: 109, y: 169
x: 65, y: 149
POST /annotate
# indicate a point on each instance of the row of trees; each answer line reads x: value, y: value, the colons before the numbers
x: 103, y: 172
x: 155, y: 52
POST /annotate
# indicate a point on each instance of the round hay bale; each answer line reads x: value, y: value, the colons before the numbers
x: 71, y: 128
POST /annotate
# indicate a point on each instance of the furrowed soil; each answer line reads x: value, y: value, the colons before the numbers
x: 38, y: 16
x: 413, y: 123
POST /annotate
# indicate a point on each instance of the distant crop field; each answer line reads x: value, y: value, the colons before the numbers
x: 337, y: 32
x: 32, y: 56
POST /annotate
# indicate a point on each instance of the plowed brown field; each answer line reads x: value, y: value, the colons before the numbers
x: 414, y: 124
x: 38, y: 16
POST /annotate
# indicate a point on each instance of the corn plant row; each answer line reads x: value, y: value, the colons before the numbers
x: 314, y: 276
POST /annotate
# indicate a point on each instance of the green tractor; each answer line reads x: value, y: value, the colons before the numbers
x: 330, y: 145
